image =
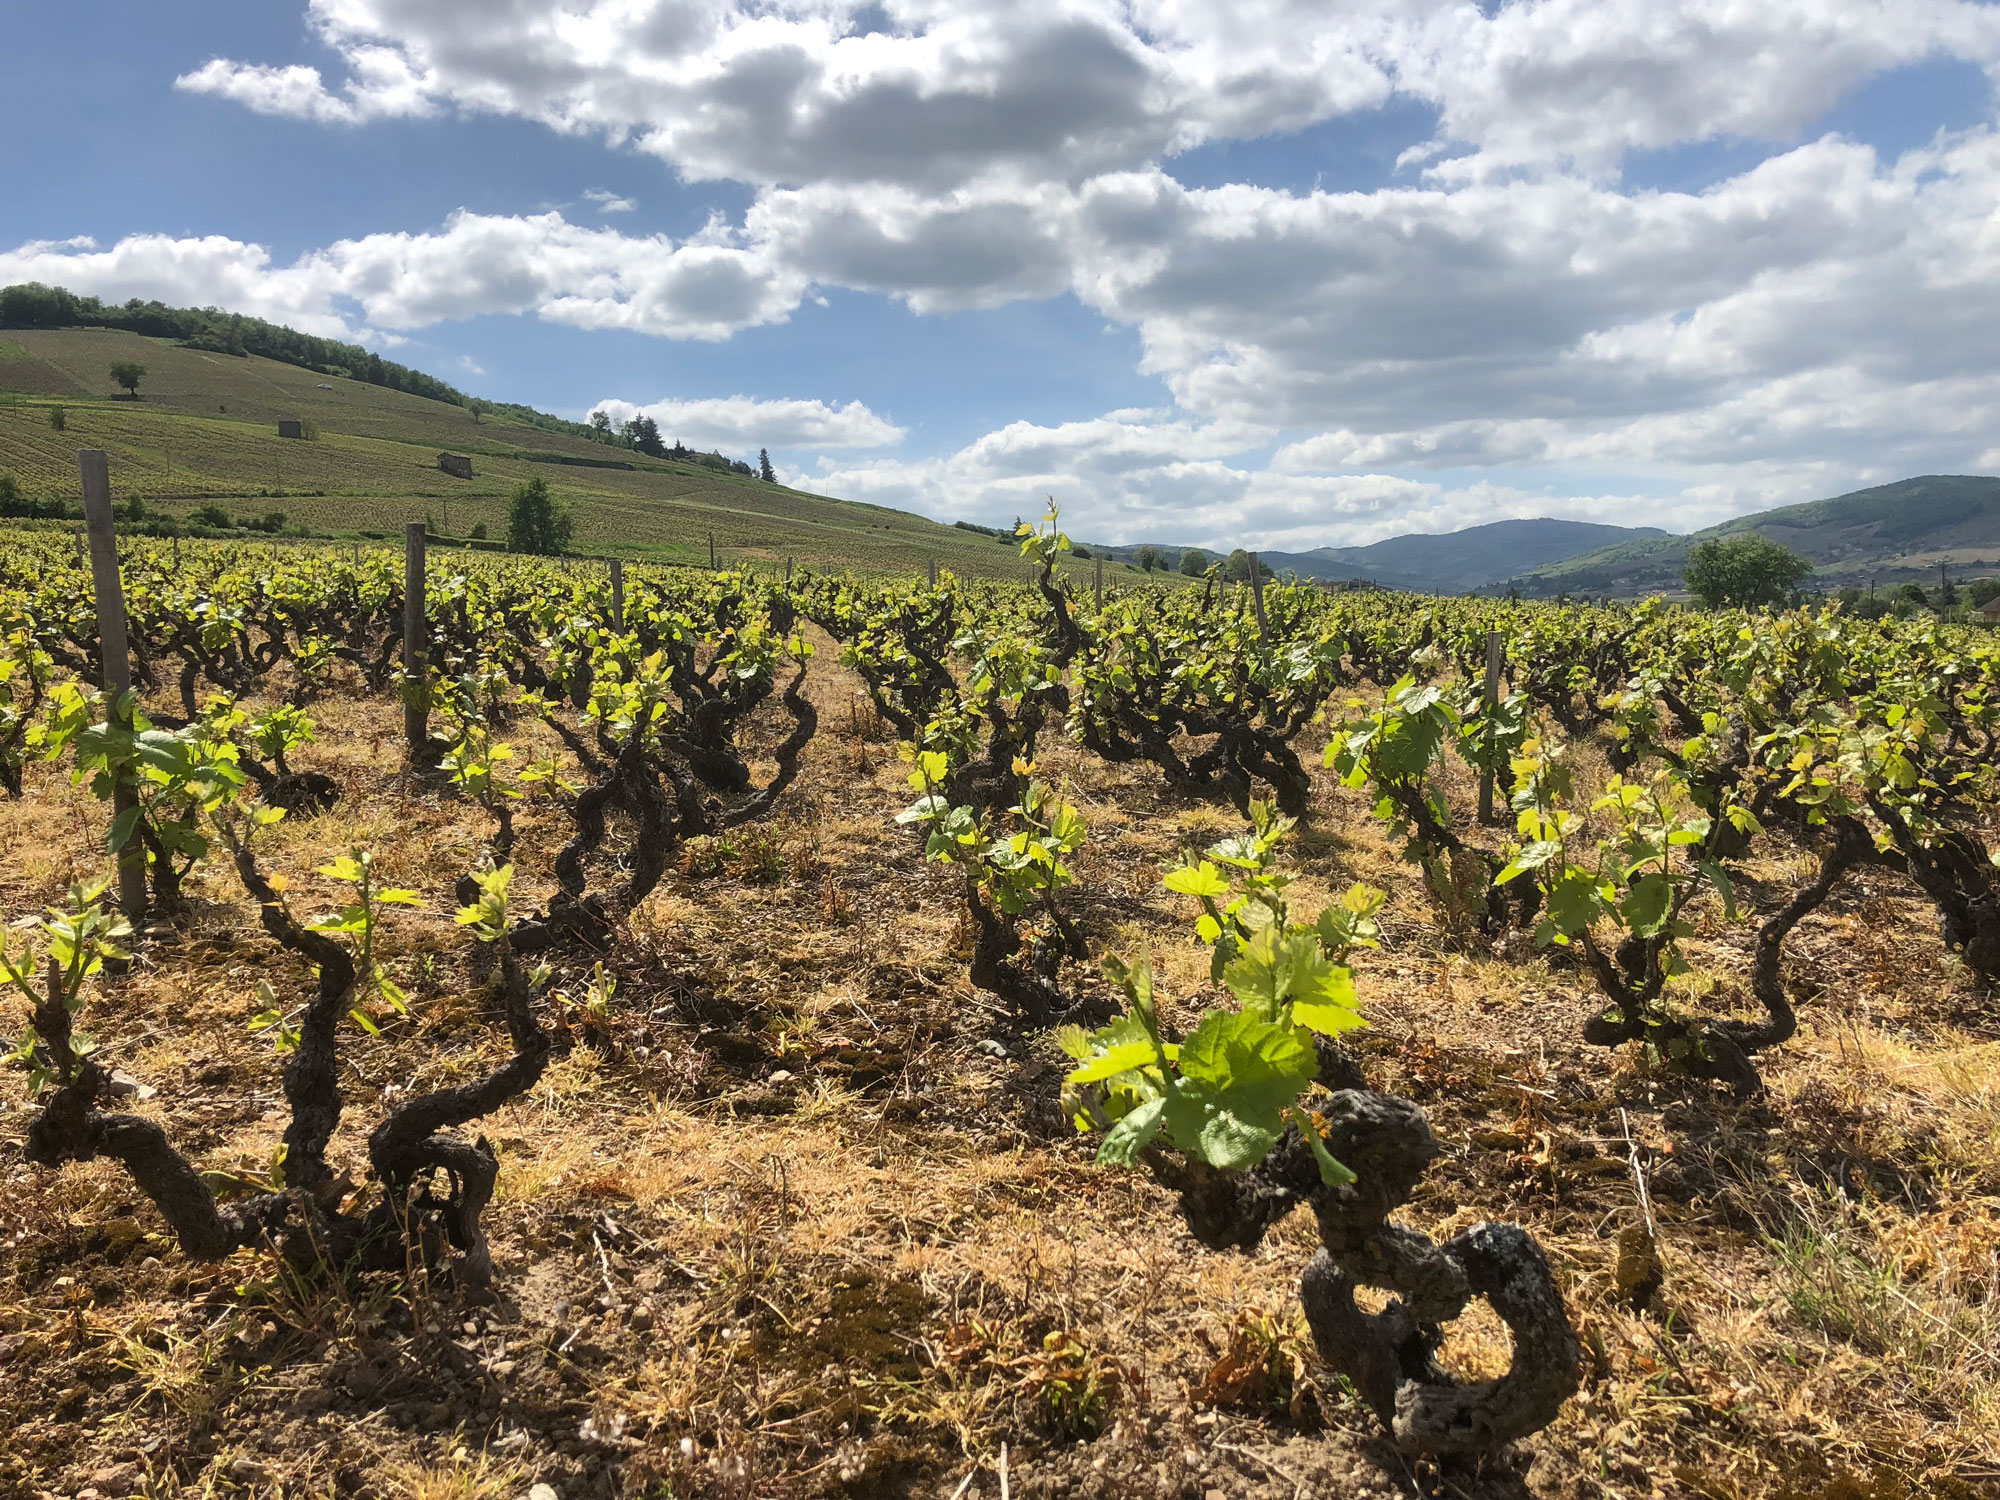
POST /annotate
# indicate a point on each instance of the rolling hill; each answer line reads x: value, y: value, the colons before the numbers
x: 205, y: 429
x: 1454, y: 562
x: 1478, y: 556
x: 1894, y: 533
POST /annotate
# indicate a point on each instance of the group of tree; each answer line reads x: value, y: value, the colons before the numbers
x: 34, y: 305
x: 1749, y: 570
x: 537, y: 521
x: 1746, y: 571
x: 642, y: 435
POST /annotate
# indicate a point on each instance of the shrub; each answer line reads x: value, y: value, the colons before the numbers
x: 537, y: 521
x: 211, y: 515
x: 58, y: 418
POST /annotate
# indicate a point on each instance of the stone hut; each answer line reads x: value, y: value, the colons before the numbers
x: 291, y: 427
x: 455, y: 463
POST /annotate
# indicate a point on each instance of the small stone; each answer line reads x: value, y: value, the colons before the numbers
x: 122, y: 1085
x: 782, y: 1075
x: 248, y: 1471
x: 539, y: 1491
x: 993, y: 1049
x: 641, y: 1319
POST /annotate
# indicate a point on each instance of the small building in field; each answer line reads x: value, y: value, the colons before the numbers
x: 456, y: 464
x: 1990, y: 611
x: 291, y: 427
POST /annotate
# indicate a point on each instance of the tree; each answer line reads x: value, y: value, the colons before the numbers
x: 1237, y: 568
x: 1983, y: 591
x: 600, y: 426
x: 643, y: 433
x: 58, y: 418
x: 1745, y: 570
x: 537, y: 521
x: 1147, y: 557
x: 129, y: 375
x: 1194, y: 562
x: 764, y: 470
x: 478, y: 410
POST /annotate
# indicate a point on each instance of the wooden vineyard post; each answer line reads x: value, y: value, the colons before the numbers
x: 1257, y: 593
x: 711, y: 552
x: 788, y: 570
x: 934, y: 572
x: 1100, y: 585
x: 416, y: 646
x: 112, y: 647
x: 1492, y: 699
x: 618, y: 595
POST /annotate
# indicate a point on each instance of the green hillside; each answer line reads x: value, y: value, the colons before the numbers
x: 205, y: 429
x: 1894, y: 533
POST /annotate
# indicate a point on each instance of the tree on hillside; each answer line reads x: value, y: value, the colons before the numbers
x: 1237, y: 568
x: 1745, y: 570
x: 643, y: 433
x: 128, y: 374
x: 1983, y: 591
x: 764, y: 470
x: 1148, y: 558
x: 1194, y: 562
x: 536, y: 521
x: 478, y: 410
x: 600, y: 426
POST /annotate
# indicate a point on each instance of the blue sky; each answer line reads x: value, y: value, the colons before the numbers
x: 1204, y: 273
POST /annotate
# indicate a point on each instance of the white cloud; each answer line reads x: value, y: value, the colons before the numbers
x: 609, y: 202
x: 1136, y: 475
x: 1513, y: 309
x: 474, y: 265
x: 742, y: 423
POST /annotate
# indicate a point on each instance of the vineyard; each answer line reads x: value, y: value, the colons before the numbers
x: 728, y: 1033
x: 205, y: 431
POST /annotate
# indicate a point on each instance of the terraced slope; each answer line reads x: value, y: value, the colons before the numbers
x: 206, y: 429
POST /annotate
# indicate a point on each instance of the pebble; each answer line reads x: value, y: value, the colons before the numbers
x: 781, y: 1075
x: 539, y: 1491
x: 248, y: 1471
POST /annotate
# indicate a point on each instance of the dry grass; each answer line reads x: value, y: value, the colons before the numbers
x: 868, y: 1277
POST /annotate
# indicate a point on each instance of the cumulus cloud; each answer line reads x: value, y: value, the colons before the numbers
x: 791, y: 92
x: 739, y: 423
x: 1508, y: 304
x: 1138, y: 475
x: 609, y: 202
x: 705, y: 287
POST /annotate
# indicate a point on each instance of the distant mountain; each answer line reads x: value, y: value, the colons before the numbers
x: 1479, y: 556
x: 1454, y: 562
x: 1895, y: 533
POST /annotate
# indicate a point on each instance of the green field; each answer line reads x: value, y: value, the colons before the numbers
x: 205, y: 429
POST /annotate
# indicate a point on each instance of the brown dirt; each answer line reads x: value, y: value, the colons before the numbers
x: 801, y: 1218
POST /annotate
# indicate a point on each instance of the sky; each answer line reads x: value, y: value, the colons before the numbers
x: 1276, y: 273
